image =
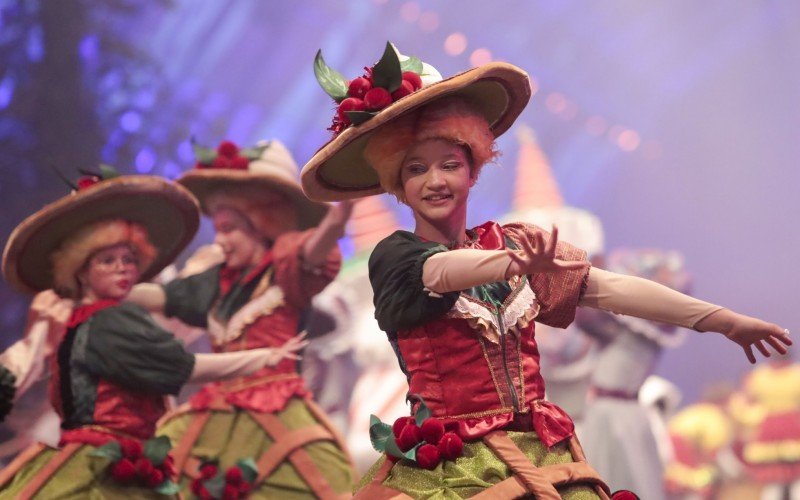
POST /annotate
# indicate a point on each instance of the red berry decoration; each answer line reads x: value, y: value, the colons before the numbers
x: 197, y: 486
x: 359, y: 87
x: 123, y: 471
x: 428, y: 456
x: 87, y: 181
x: 230, y: 492
x: 400, y: 424
x: 168, y: 466
x: 144, y: 467
x: 451, y: 446
x: 432, y: 431
x: 221, y: 162
x: 349, y: 104
x: 403, y: 90
x: 377, y: 98
x: 227, y: 148
x: 234, y: 476
x: 156, y: 478
x: 244, y: 488
x: 624, y: 495
x: 409, y: 437
x: 199, y: 165
x: 208, y: 471
x: 240, y: 163
x: 131, y: 448
x: 412, y: 78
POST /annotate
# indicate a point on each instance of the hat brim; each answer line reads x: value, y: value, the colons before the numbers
x: 167, y: 211
x: 203, y: 183
x: 498, y: 91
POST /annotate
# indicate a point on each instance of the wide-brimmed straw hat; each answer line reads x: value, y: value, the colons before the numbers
x: 498, y: 91
x: 267, y: 167
x: 168, y: 212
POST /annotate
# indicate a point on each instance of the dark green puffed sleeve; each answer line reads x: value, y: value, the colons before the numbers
x: 395, y: 271
x: 189, y: 299
x: 7, y: 391
x: 125, y: 346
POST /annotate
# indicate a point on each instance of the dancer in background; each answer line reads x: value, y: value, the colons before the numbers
x: 617, y: 435
x: 111, y: 365
x: 458, y: 305
x: 280, y: 251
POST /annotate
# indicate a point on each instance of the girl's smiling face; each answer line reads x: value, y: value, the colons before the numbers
x: 436, y: 175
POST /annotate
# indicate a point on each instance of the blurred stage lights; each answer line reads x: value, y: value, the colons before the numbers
x: 410, y: 11
x: 455, y: 44
x: 428, y: 21
x: 480, y: 57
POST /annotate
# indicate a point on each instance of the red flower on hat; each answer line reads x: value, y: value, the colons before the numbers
x: 405, y: 88
x: 359, y: 87
x: 87, y: 181
x: 377, y: 99
x: 239, y: 163
x: 414, y: 79
x: 228, y: 148
x: 221, y: 162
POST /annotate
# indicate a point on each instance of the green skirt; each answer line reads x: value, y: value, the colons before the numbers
x: 297, y: 452
x: 481, y: 468
x: 67, y: 473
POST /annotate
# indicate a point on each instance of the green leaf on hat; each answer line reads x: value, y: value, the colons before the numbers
x: 111, y: 450
x: 412, y: 64
x: 254, y: 153
x: 387, y: 73
x: 379, y: 434
x: 331, y: 81
x: 205, y: 156
x: 359, y: 117
x: 108, y: 172
x: 168, y: 488
x: 249, y: 469
x: 157, y: 449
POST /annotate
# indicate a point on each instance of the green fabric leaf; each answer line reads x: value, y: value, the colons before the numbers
x: 111, y: 450
x: 423, y: 412
x: 379, y: 434
x: 394, y: 450
x: 216, y: 485
x: 331, y: 81
x: 204, y: 155
x: 108, y: 172
x: 412, y: 64
x: 168, y: 488
x: 156, y: 449
x: 359, y: 117
x: 254, y: 153
x: 249, y: 469
x: 387, y: 72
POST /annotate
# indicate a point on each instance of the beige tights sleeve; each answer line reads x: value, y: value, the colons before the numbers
x: 221, y: 366
x: 462, y: 269
x: 644, y: 299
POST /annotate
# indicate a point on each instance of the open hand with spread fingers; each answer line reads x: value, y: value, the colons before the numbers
x: 748, y: 332
x: 287, y: 350
x: 540, y: 257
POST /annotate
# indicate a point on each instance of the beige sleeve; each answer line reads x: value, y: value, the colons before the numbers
x: 632, y: 296
x: 462, y: 269
x: 221, y: 366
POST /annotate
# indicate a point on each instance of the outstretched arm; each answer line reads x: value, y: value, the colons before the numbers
x: 646, y: 299
x: 148, y: 295
x: 220, y: 366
